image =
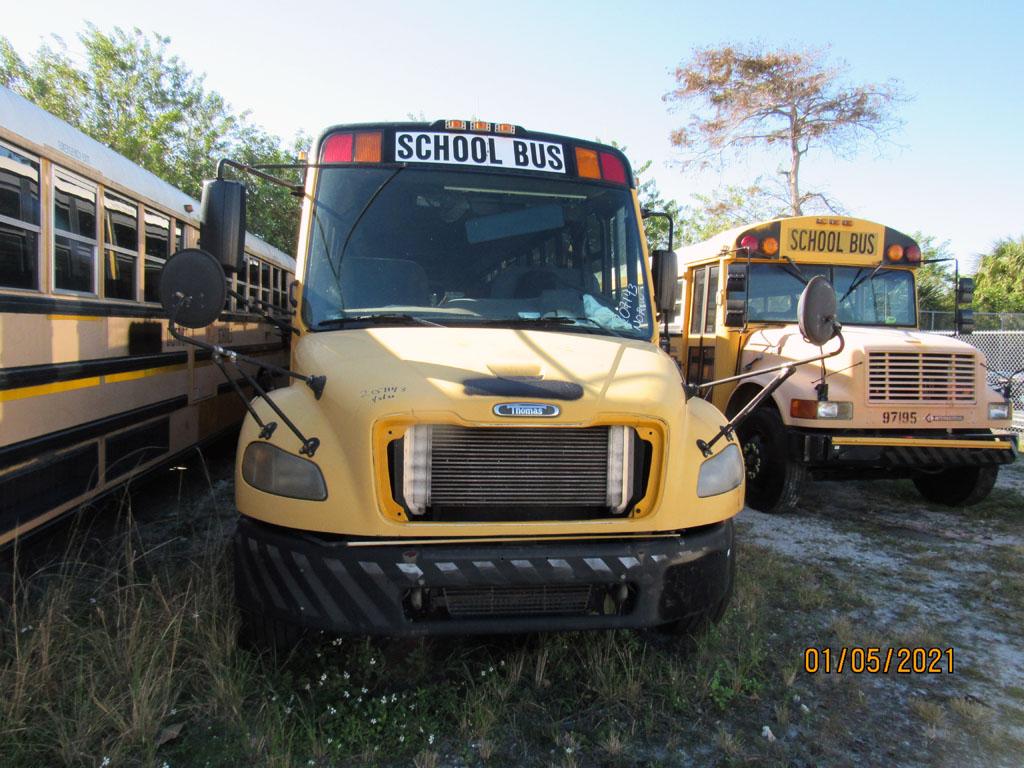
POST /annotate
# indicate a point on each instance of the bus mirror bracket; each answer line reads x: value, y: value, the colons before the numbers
x: 818, y: 324
x: 193, y: 289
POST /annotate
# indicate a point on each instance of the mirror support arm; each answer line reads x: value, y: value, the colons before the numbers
x: 785, y: 371
x: 297, y: 189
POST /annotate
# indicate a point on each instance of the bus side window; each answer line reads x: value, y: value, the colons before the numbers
x: 709, y: 315
x: 19, y: 220
x: 697, y: 301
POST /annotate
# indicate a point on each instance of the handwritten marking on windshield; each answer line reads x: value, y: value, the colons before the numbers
x: 376, y: 394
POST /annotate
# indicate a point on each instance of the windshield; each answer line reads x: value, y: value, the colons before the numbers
x: 466, y: 248
x: 883, y: 298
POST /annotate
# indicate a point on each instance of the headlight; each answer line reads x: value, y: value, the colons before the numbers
x: 721, y: 472
x: 999, y: 411
x: 270, y: 469
x: 820, y: 409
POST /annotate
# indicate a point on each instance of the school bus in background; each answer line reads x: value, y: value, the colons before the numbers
x: 896, y: 403
x: 93, y: 390
x: 499, y: 444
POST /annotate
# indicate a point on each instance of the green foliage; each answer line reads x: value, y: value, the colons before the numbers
x: 725, y: 208
x: 794, y: 100
x: 999, y: 283
x: 934, y: 281
x: 137, y: 98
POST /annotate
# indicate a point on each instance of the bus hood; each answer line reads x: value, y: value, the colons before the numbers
x: 377, y: 371
x: 785, y: 343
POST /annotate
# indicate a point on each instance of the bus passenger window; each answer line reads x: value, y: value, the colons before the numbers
x: 254, y: 279
x: 157, y: 242
x: 179, y: 236
x: 709, y: 315
x: 697, y: 301
x: 74, y: 236
x: 121, y: 240
x: 19, y: 220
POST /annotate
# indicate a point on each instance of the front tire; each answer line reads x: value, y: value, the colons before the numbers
x: 774, y: 481
x: 959, y: 487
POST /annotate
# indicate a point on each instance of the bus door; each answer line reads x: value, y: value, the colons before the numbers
x: 701, y: 337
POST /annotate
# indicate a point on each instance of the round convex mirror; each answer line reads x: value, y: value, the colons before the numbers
x: 193, y: 288
x: 817, y: 311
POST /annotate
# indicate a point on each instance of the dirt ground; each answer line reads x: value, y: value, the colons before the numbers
x: 918, y: 576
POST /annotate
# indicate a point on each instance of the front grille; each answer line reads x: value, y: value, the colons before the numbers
x: 552, y: 467
x: 907, y: 377
x: 564, y: 600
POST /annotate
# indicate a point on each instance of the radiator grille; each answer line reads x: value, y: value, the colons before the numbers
x: 921, y: 377
x: 502, y: 467
x: 518, y: 601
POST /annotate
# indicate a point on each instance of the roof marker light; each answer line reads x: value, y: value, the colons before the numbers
x: 480, y: 125
x: 455, y: 125
x: 505, y: 128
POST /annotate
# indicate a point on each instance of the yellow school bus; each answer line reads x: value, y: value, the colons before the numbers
x: 896, y: 402
x: 488, y: 437
x: 94, y: 392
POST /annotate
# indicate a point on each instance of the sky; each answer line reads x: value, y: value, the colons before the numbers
x: 596, y: 69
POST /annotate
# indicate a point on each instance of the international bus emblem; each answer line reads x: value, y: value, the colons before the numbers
x: 527, y: 410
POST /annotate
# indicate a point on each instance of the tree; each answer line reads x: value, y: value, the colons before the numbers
x: 134, y: 96
x: 934, y: 280
x: 999, y: 283
x: 725, y: 208
x: 751, y: 97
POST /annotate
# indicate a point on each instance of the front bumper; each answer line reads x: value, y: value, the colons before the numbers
x: 906, y: 452
x: 480, y: 588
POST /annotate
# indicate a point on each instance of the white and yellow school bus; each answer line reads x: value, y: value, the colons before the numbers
x: 896, y: 402
x: 93, y: 390
x: 500, y: 445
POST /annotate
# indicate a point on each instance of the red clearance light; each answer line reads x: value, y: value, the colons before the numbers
x: 455, y: 125
x: 586, y: 163
x: 894, y: 252
x: 480, y: 125
x: 913, y: 254
x: 750, y: 242
x: 337, y: 148
x: 612, y: 168
x: 505, y: 128
x: 368, y: 147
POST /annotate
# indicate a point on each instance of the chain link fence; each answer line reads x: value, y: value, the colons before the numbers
x: 1000, y: 337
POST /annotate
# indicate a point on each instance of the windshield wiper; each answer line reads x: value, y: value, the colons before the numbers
x: 563, y: 321
x: 381, y: 318
x: 857, y: 282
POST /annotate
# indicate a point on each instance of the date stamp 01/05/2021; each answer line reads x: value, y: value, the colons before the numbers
x: 878, y: 661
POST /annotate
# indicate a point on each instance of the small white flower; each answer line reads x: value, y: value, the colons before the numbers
x: 287, y: 710
x: 348, y: 695
x: 307, y: 686
x: 365, y: 690
x: 346, y: 675
x: 401, y: 739
x: 174, y: 711
x: 384, y: 699
x: 568, y: 750
x: 373, y: 662
x: 195, y: 614
x: 106, y: 760
x: 330, y: 740
x: 373, y: 721
x: 92, y: 601
x: 430, y: 739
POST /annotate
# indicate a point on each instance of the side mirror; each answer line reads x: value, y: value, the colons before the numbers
x: 735, y: 307
x: 192, y: 288
x: 665, y: 269
x: 965, y: 319
x: 817, y: 311
x: 965, y: 291
x: 222, y: 227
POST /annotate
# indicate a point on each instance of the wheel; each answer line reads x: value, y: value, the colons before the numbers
x: 774, y: 481
x: 962, y: 486
x: 262, y: 633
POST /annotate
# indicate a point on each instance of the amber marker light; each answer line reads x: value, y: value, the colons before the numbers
x: 586, y: 163
x: 770, y: 246
x: 455, y: 125
x: 480, y: 125
x: 368, y: 147
x: 506, y: 128
x: 894, y: 252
